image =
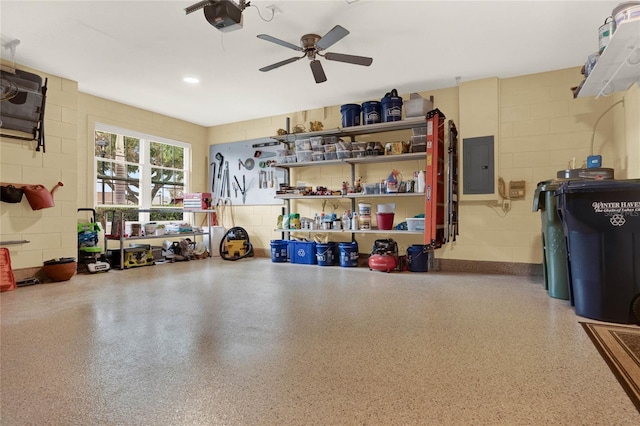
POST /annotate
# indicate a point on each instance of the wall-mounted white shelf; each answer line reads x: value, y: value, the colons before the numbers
x: 358, y: 160
x: 366, y: 129
x: 619, y: 65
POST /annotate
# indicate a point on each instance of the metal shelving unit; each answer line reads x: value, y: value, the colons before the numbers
x: 352, y: 132
x: 122, y: 239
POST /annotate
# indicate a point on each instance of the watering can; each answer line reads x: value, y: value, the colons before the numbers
x: 38, y: 196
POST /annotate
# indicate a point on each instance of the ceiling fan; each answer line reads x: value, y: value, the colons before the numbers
x: 312, y: 45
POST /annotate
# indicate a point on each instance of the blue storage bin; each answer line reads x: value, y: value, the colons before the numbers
x: 303, y: 252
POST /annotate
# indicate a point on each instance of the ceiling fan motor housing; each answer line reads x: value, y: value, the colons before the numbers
x: 308, y: 41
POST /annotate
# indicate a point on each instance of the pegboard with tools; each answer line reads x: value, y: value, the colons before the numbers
x: 244, y: 173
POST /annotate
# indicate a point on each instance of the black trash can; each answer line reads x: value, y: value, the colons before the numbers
x: 601, y: 224
x: 554, y: 252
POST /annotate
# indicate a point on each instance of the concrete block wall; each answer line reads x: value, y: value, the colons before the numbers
x: 541, y: 128
x: 52, y: 231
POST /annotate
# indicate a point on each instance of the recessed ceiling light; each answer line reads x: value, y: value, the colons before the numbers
x: 191, y: 80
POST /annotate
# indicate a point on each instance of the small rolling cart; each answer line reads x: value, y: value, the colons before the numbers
x: 90, y: 256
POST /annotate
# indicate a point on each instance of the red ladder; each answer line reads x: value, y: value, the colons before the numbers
x: 434, y: 211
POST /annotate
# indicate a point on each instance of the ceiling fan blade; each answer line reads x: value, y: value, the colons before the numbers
x: 281, y: 63
x: 280, y: 42
x: 350, y: 59
x: 318, y: 72
x: 336, y: 34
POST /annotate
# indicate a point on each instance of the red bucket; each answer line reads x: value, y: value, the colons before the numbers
x: 385, y: 220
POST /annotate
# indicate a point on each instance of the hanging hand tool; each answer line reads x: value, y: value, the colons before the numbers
x: 235, y: 188
x: 220, y: 159
x: 243, y: 189
x: 263, y: 144
x: 263, y: 154
x: 221, y: 182
x: 262, y: 179
x: 226, y: 178
x: 249, y: 163
x: 213, y: 177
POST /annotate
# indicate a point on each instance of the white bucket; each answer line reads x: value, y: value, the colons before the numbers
x: 364, y: 209
x: 386, y: 208
x: 216, y: 234
x: 605, y: 32
x: 150, y: 228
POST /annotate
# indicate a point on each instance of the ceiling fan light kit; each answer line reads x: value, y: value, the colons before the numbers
x: 312, y: 45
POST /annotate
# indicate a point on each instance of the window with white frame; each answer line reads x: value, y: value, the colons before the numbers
x: 139, y: 171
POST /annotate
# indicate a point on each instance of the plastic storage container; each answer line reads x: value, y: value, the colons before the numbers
x: 302, y: 156
x: 7, y: 279
x: 350, y: 115
x: 343, y: 146
x: 391, y: 107
x: 330, y: 139
x: 279, y: 251
x: 364, y: 209
x: 371, y: 112
x: 385, y: 220
x: 418, y: 258
x: 303, y: 252
x: 415, y: 224
x: 316, y: 141
x: 554, y: 252
x: 386, y: 208
x: 326, y: 254
x: 417, y: 106
x: 348, y: 254
x: 303, y: 145
x: 601, y: 223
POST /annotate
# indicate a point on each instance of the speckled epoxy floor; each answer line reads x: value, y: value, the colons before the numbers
x: 251, y: 342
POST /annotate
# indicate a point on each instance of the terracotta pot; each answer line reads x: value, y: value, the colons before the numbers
x: 60, y: 269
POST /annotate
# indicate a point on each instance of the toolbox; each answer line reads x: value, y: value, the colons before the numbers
x: 141, y: 255
x: 197, y: 201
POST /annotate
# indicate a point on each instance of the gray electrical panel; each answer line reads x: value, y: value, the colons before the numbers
x: 478, y: 168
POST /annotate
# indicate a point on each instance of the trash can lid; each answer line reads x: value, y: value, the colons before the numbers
x: 588, y: 173
x: 582, y: 186
x: 543, y: 187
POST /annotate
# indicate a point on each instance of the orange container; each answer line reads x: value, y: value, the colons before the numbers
x: 7, y: 280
